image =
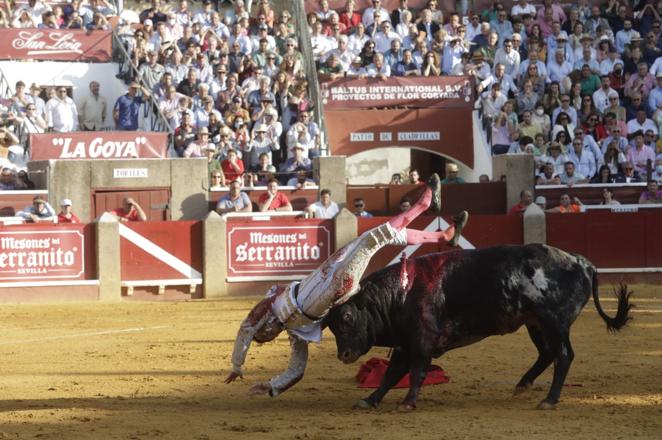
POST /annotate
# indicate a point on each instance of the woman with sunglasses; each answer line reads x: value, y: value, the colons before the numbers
x: 591, y: 124
x: 430, y: 65
x: 587, y: 109
x: 367, y: 53
x: 562, y: 124
x: 528, y: 99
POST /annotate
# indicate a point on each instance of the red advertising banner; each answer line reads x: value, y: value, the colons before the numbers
x: 396, y: 91
x: 55, y: 44
x: 33, y: 254
x: 279, y: 248
x: 443, y: 131
x: 98, y: 145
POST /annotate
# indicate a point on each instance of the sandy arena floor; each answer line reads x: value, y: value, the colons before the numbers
x: 156, y: 370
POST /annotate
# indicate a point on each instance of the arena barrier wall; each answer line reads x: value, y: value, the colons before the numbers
x: 245, y: 255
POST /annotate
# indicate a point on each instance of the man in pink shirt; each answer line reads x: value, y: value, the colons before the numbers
x: 640, y: 153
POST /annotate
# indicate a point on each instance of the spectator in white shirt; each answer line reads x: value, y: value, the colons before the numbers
x: 473, y: 27
x: 182, y: 14
x: 586, y: 55
x: 36, y: 9
x: 523, y: 7
x: 452, y: 55
x: 203, y: 16
x: 369, y: 13
x: 566, y: 108
x: 584, y: 160
x: 356, y: 41
x: 320, y: 43
x: 62, y: 113
x: 641, y: 122
x: 261, y: 143
x: 378, y: 68
x: 601, y: 96
x: 625, y: 35
x: 508, y: 57
x: 493, y: 102
x: 499, y: 76
x: 325, y: 208
x: 559, y: 70
x: 342, y: 53
x: 384, y: 38
x: 607, y: 65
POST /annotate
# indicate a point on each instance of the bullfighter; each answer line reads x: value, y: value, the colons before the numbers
x: 299, y: 307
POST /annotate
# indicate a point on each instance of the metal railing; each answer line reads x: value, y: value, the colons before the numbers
x: 127, y: 71
x: 6, y: 90
x: 314, y: 89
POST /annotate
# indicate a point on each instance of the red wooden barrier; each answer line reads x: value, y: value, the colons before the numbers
x: 161, y: 250
x: 477, y: 198
x: 481, y: 231
x: 610, y: 240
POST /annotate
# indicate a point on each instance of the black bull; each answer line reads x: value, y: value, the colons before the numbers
x: 453, y: 299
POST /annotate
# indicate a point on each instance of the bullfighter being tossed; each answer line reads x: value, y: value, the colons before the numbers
x: 300, y: 306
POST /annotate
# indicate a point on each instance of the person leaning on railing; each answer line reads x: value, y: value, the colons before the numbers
x: 40, y: 212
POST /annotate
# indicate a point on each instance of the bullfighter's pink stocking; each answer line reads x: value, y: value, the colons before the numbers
x: 403, y: 219
x: 420, y: 237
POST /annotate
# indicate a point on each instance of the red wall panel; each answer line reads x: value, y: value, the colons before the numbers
x: 183, y: 239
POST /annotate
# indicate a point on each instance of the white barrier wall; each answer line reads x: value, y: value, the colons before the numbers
x: 75, y: 75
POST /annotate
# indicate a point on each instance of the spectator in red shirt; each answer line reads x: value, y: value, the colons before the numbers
x: 129, y: 212
x: 525, y: 199
x: 233, y: 167
x: 66, y: 216
x: 273, y: 200
x: 350, y: 17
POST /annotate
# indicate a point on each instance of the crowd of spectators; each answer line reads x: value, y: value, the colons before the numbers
x: 578, y: 83
x: 77, y: 14
x: 580, y: 88
x: 231, y: 86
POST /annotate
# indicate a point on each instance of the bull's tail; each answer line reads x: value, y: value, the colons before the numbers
x: 622, y: 312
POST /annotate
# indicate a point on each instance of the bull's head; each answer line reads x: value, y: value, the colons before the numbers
x: 351, y: 324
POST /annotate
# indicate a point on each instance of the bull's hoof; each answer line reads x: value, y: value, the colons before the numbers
x: 434, y: 183
x: 363, y: 404
x: 546, y: 405
x: 406, y: 407
x: 460, y: 221
x: 519, y: 389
